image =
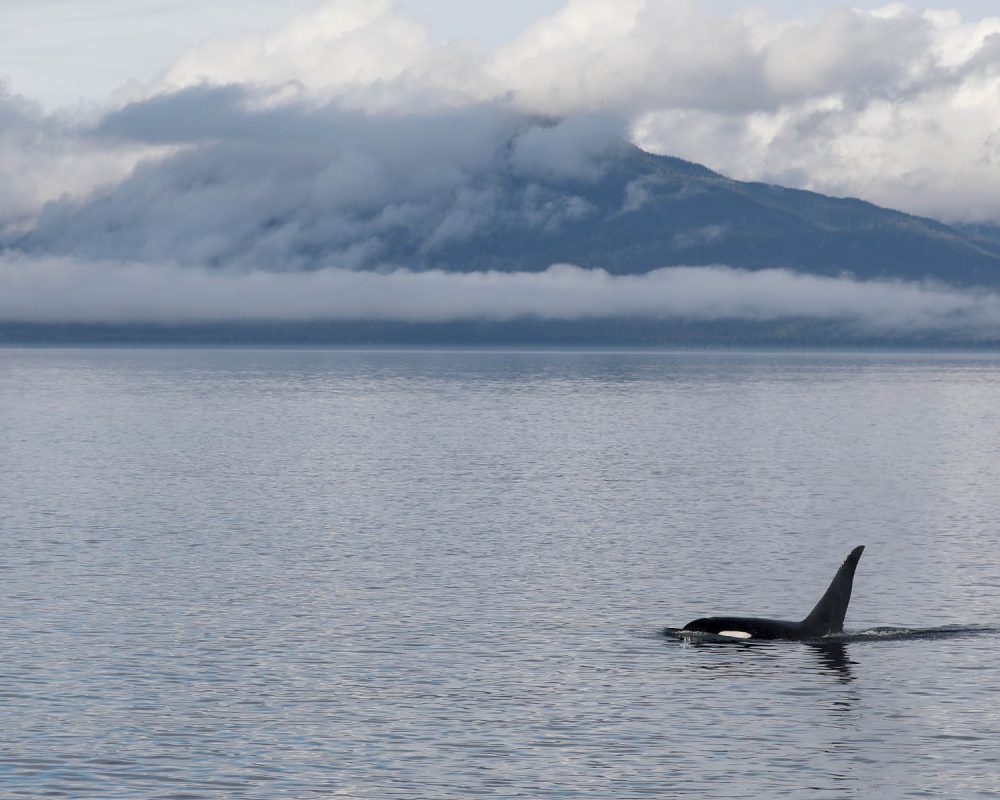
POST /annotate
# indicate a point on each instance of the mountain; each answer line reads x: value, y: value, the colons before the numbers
x: 655, y: 211
x: 622, y: 209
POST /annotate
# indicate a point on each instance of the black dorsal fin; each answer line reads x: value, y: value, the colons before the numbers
x: 828, y: 616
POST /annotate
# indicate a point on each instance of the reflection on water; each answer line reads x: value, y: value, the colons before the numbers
x: 833, y: 657
x: 264, y: 574
x: 832, y: 653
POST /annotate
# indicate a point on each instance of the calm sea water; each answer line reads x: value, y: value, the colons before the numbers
x: 310, y: 574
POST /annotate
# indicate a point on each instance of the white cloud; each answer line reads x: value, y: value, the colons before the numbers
x: 576, y: 148
x: 45, y: 157
x: 292, y: 186
x: 364, y: 52
x: 71, y: 290
x: 596, y: 55
x: 898, y: 107
x: 893, y: 105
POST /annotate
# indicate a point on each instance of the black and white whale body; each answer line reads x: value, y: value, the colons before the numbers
x: 827, y: 618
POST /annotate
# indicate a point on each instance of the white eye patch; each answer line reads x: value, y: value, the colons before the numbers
x: 735, y: 634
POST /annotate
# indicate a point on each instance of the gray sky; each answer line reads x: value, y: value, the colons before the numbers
x: 61, y: 51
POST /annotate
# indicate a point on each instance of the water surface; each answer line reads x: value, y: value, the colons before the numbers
x: 371, y: 574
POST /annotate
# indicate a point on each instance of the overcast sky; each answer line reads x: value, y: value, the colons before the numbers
x: 59, y: 51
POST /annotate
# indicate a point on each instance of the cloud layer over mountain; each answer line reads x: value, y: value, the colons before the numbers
x: 292, y: 186
x: 894, y: 105
x: 350, y: 138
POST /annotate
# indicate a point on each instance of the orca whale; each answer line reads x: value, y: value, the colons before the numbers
x: 825, y: 619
